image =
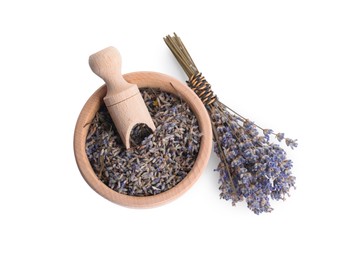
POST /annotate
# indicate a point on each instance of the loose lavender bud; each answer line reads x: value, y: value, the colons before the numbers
x: 157, y: 161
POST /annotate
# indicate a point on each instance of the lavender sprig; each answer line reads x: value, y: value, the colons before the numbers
x: 251, y: 168
x: 259, y: 168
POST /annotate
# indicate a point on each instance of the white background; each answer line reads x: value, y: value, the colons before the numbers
x: 283, y: 64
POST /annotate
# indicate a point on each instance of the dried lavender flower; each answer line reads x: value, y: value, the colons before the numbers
x: 280, y: 136
x: 251, y: 167
x: 258, y: 168
x: 267, y: 133
x: 291, y: 143
x: 159, y: 160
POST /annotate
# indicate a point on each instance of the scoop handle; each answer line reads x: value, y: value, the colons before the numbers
x: 107, y: 65
x: 123, y: 100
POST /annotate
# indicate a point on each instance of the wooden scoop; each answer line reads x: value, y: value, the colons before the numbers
x: 123, y: 100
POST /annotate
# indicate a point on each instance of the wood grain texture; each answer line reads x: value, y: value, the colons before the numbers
x: 167, y: 84
x: 123, y: 99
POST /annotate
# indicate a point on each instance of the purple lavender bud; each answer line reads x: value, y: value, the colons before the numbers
x: 267, y: 133
x: 248, y: 124
x: 291, y: 143
x: 280, y: 136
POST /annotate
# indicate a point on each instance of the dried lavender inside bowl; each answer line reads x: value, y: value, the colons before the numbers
x: 155, y: 163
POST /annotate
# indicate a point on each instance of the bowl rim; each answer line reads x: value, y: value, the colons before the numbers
x: 165, y: 83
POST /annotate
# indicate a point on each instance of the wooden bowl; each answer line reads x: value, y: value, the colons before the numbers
x: 167, y: 84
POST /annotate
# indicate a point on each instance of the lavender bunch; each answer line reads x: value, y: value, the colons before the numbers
x: 252, y: 167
